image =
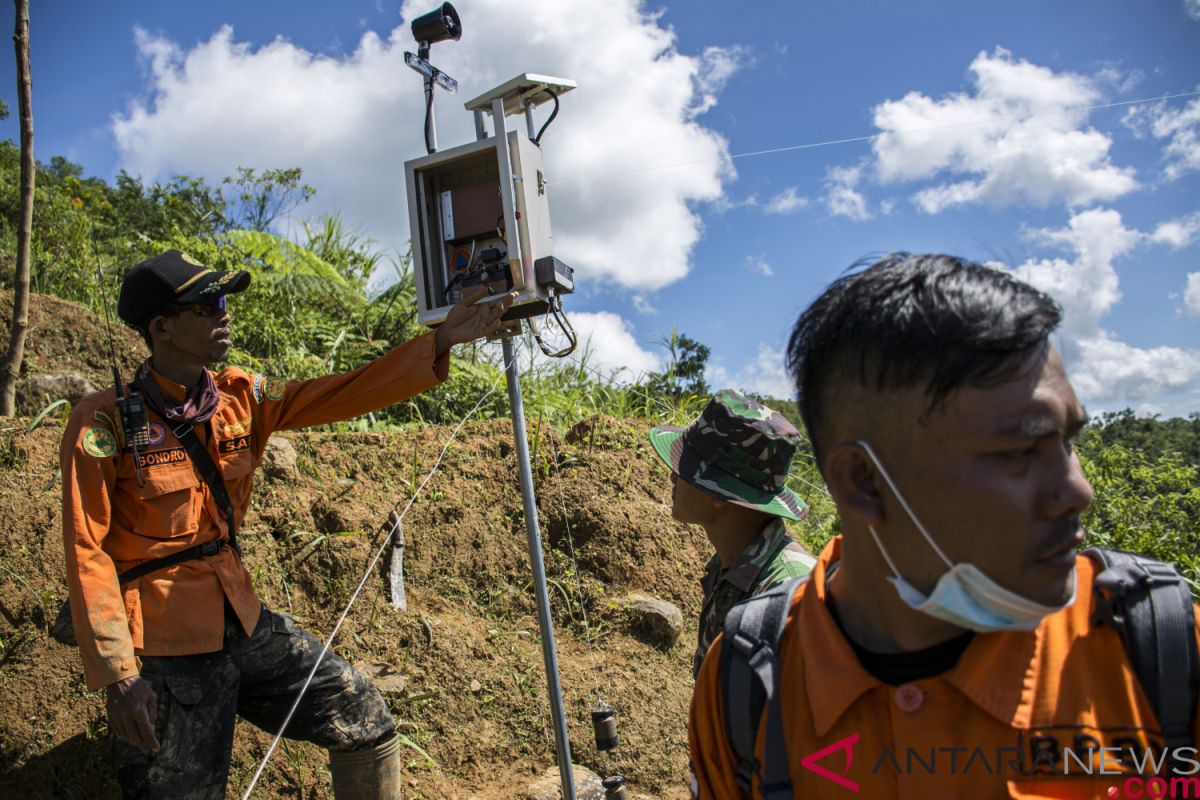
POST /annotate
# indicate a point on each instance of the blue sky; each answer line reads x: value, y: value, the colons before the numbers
x: 991, y: 145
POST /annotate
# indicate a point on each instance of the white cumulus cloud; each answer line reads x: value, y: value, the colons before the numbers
x: 350, y: 121
x: 759, y: 264
x: 1191, y: 294
x: 608, y: 345
x: 1177, y: 232
x: 786, y: 202
x: 1180, y: 127
x: 717, y: 66
x: 1019, y: 137
x: 1192, y: 7
x: 1104, y: 370
x: 765, y: 375
x: 1112, y: 370
x: 841, y: 197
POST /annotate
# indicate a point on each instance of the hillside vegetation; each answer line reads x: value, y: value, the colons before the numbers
x: 463, y: 666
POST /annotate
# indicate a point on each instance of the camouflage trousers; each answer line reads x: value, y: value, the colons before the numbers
x: 255, y: 677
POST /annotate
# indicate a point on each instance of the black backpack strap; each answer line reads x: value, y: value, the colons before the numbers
x: 1150, y: 605
x: 186, y: 434
x: 750, y: 681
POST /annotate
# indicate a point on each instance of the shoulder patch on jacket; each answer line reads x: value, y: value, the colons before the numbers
x: 99, y: 442
x: 267, y: 388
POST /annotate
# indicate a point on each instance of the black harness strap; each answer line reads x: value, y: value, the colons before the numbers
x: 1149, y: 604
x: 750, y: 680
x: 186, y: 434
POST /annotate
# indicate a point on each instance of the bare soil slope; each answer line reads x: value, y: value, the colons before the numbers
x: 467, y: 652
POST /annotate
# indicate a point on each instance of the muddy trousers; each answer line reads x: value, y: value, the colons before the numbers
x: 256, y: 677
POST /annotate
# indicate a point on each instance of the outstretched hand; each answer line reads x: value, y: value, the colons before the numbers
x: 467, y: 322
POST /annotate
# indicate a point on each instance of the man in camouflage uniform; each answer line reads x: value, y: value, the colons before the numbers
x: 728, y: 474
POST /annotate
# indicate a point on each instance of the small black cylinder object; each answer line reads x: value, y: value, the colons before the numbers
x: 614, y: 788
x: 438, y: 25
x: 604, y: 723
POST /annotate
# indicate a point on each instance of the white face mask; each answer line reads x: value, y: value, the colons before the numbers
x: 963, y: 596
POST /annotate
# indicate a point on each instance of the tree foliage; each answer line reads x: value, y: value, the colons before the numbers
x: 1149, y: 435
x: 314, y: 306
x: 684, y: 374
x: 1144, y: 503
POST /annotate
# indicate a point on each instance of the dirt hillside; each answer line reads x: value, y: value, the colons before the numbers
x: 464, y: 665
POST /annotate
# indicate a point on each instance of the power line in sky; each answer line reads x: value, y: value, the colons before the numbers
x: 873, y: 136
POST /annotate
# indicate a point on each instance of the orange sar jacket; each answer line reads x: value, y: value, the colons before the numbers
x: 1022, y: 714
x: 111, y: 524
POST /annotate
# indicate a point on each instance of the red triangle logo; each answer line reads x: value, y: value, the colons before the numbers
x: 809, y: 762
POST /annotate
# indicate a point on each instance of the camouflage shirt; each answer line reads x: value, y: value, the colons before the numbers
x: 768, y: 561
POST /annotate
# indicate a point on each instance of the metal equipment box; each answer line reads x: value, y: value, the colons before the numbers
x: 457, y: 219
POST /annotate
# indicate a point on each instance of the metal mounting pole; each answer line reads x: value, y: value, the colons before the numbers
x: 545, y: 622
x: 512, y: 375
x: 431, y: 121
x: 431, y: 144
x: 529, y: 120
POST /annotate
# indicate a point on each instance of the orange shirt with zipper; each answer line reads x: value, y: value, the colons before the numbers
x: 111, y: 523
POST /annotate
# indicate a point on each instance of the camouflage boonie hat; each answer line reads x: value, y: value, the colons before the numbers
x: 739, y: 451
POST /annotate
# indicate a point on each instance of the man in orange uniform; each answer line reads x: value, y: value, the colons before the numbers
x: 946, y: 643
x: 185, y: 648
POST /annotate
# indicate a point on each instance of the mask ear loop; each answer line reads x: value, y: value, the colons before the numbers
x: 884, y: 551
x: 904, y: 504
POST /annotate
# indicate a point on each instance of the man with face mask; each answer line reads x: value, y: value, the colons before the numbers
x: 946, y: 643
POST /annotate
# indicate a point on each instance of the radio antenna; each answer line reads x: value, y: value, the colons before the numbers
x: 130, y: 408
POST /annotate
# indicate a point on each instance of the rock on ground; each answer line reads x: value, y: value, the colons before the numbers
x: 549, y: 786
x: 658, y: 619
x: 279, y: 458
x: 35, y: 392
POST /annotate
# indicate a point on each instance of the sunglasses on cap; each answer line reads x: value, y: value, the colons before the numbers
x: 206, y: 309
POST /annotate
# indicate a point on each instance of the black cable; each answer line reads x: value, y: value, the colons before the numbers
x: 538, y: 139
x: 554, y: 306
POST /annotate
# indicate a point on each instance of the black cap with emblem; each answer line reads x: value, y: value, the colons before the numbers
x: 173, y: 278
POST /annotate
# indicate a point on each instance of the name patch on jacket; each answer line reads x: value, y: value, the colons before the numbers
x: 156, y: 458
x: 237, y: 443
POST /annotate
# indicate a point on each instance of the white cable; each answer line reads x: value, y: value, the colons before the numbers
x: 873, y: 136
x: 366, y: 576
x: 587, y: 630
x: 811, y: 485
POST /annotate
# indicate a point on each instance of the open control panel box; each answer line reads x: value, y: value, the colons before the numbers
x: 459, y: 231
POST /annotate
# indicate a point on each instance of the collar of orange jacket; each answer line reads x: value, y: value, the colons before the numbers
x: 997, y: 672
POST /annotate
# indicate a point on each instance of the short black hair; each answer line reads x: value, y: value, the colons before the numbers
x: 907, y: 320
x: 143, y: 327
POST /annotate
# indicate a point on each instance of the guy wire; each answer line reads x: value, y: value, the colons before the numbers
x: 366, y: 576
x: 571, y: 546
x: 873, y: 136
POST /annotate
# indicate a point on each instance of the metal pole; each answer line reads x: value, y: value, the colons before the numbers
x: 431, y: 144
x: 529, y: 119
x: 516, y: 259
x: 480, y: 132
x: 545, y: 623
